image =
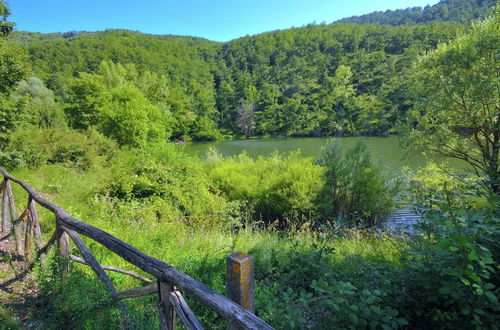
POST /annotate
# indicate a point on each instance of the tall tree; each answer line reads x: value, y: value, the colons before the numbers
x: 245, y: 119
x: 457, y: 112
x: 5, y: 26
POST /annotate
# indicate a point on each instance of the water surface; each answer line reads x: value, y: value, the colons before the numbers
x: 383, y: 150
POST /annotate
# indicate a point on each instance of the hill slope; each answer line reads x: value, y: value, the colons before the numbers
x: 461, y: 11
x: 335, y: 79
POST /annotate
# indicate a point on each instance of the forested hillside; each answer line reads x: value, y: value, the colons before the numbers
x: 339, y: 79
x: 461, y: 11
x: 330, y: 79
x: 86, y: 118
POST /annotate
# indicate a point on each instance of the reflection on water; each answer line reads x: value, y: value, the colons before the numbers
x: 384, y: 150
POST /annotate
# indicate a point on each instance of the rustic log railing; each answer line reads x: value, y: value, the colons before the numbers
x: 168, y: 279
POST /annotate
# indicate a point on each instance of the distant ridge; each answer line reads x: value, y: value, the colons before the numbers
x: 461, y: 11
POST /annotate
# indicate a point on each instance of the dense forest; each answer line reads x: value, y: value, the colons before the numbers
x: 88, y: 119
x: 339, y: 79
x: 461, y: 11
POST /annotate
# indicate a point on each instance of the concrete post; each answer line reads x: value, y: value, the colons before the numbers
x: 240, y: 281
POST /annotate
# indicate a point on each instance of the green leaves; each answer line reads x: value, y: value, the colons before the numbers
x: 356, y: 191
x: 274, y: 187
x: 129, y: 118
x: 456, y: 91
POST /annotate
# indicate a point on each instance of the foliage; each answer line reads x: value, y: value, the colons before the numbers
x: 271, y: 188
x: 456, y: 113
x: 356, y: 191
x: 301, y: 273
x: 174, y: 183
x: 5, y: 26
x: 13, y: 65
x: 129, y: 118
x: 63, y: 305
x: 37, y: 104
x: 85, y: 97
x: 10, y: 118
x: 353, y: 308
x: 429, y: 185
x: 338, y: 79
x: 296, y: 78
x: 33, y: 147
x: 457, y: 255
x: 461, y: 11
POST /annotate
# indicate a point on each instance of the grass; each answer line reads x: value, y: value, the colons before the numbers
x: 282, y: 259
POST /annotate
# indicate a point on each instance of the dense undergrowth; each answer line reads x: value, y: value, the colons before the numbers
x: 310, y: 272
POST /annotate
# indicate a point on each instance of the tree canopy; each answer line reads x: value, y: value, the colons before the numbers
x: 461, y: 11
x: 457, y: 110
x: 318, y: 80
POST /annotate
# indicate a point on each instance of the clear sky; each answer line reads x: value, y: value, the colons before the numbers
x: 219, y: 20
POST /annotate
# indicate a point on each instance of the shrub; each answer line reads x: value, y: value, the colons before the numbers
x: 35, y: 147
x: 356, y: 191
x: 164, y: 175
x: 131, y: 119
x: 274, y: 187
x: 38, y: 105
x: 454, y: 264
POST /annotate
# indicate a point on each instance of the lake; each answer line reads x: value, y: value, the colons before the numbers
x: 384, y: 150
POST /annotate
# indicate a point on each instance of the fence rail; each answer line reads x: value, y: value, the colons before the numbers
x: 169, y: 280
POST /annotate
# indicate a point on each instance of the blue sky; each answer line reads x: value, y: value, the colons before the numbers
x: 219, y: 20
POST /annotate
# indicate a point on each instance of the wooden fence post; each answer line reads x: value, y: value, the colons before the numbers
x: 166, y: 310
x: 63, y: 245
x: 28, y: 239
x: 240, y: 282
x: 6, y: 220
x: 16, y: 224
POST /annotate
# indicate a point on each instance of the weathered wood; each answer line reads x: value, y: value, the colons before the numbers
x: 6, y: 220
x: 36, y: 222
x: 63, y: 246
x: 240, y: 281
x: 220, y: 304
x: 113, y: 269
x: 96, y: 267
x: 185, y: 314
x: 19, y: 225
x: 51, y: 241
x: 137, y: 292
x: 217, y: 302
x: 39, y: 199
x: 28, y: 239
x: 165, y: 308
x: 89, y: 259
x: 22, y: 216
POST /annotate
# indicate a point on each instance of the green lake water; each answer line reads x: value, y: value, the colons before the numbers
x: 384, y: 150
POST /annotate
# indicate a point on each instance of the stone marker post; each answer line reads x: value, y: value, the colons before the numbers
x: 240, y: 282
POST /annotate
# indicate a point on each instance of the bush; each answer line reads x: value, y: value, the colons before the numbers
x: 454, y: 263
x: 274, y: 187
x: 356, y: 191
x: 38, y: 105
x: 131, y: 119
x: 176, y: 183
x: 34, y: 147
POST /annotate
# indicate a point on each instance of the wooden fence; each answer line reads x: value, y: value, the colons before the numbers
x: 168, y: 280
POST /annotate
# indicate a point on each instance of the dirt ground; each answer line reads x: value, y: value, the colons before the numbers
x: 19, y: 294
